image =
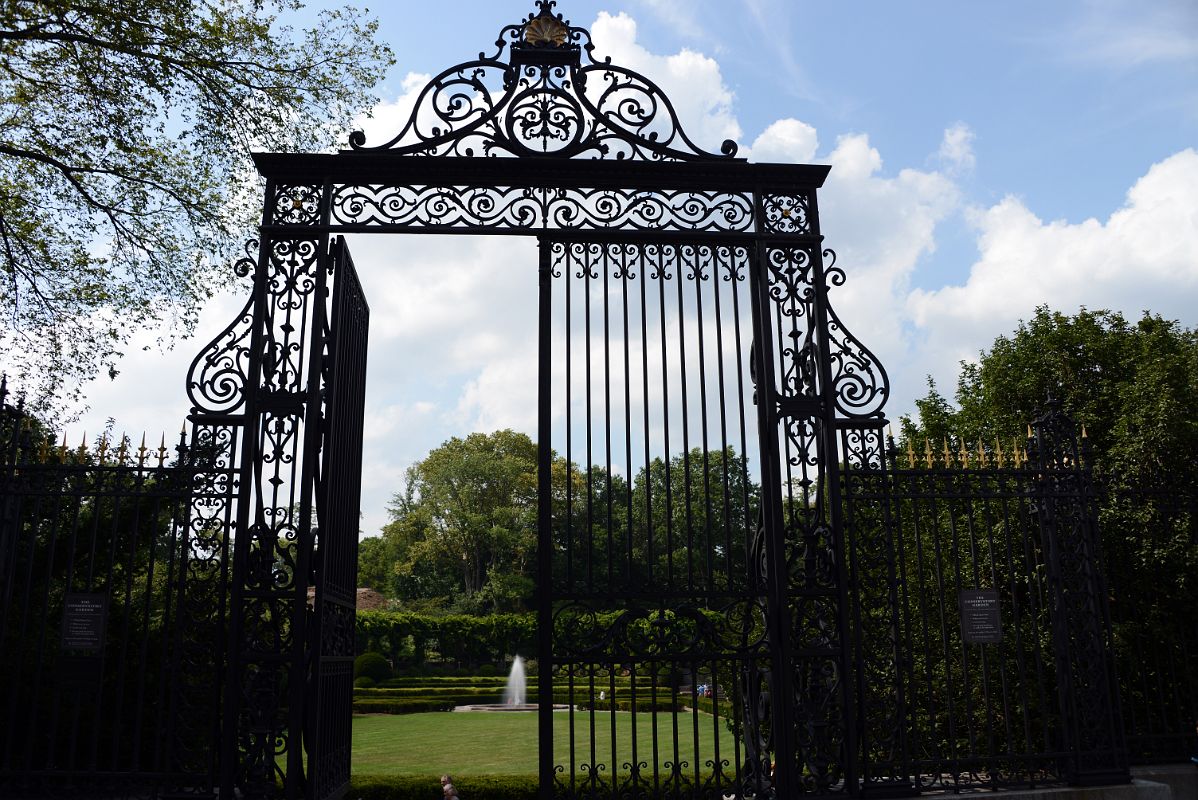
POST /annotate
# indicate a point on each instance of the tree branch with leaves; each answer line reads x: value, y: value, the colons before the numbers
x: 126, y: 187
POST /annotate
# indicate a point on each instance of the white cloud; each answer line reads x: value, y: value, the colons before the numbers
x: 691, y: 80
x: 1144, y: 256
x: 787, y: 140
x: 956, y: 149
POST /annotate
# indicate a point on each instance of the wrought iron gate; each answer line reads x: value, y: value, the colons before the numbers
x: 722, y: 594
x: 280, y: 394
x: 689, y: 348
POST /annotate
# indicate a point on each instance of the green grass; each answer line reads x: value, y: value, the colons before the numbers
x: 505, y: 743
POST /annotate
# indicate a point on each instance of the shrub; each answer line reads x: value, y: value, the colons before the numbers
x: 373, y: 666
x: 486, y: 671
x: 365, y: 682
x: 419, y: 787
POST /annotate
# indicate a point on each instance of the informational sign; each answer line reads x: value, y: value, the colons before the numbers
x: 981, y: 621
x: 84, y: 617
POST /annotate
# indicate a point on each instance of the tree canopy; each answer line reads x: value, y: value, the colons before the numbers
x: 463, y: 532
x: 125, y: 181
x: 1132, y: 385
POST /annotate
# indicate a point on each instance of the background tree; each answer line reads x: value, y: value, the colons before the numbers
x: 465, y: 525
x: 1131, y: 385
x: 125, y: 134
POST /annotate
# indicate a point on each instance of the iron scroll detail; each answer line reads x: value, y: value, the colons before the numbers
x: 550, y: 98
x: 216, y: 380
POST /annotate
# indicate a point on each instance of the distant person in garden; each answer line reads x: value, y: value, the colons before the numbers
x: 447, y: 788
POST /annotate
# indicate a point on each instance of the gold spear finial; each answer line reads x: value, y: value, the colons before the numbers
x: 123, y: 450
x: 141, y: 451
x: 963, y: 455
x: 62, y: 450
x: 102, y: 447
x: 927, y: 452
x: 83, y: 445
x: 162, y: 451
x: 910, y: 455
x: 998, y: 453
x: 1084, y: 434
x: 948, y: 456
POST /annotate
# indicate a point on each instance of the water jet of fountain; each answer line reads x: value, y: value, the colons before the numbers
x: 516, y: 691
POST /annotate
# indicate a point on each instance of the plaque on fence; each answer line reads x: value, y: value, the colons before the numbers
x: 84, y: 617
x: 981, y: 622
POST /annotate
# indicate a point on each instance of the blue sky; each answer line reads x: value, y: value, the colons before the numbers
x: 986, y: 158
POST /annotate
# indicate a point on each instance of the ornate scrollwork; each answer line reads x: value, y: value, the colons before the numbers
x: 296, y: 204
x: 216, y: 379
x: 859, y: 382
x: 529, y: 208
x: 550, y: 98
x: 786, y: 213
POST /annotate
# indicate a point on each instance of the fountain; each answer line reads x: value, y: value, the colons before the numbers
x: 517, y: 689
x: 515, y: 694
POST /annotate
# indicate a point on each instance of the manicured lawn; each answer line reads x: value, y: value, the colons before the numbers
x: 483, y: 743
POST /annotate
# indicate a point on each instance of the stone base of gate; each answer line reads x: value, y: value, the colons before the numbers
x: 1181, y: 778
x: 1138, y: 789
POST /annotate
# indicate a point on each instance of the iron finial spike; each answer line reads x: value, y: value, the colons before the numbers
x: 998, y: 453
x: 948, y: 456
x: 141, y: 451
x: 123, y: 450
x: 963, y: 454
x: 910, y: 455
x: 1029, y: 431
x: 62, y: 453
x: 1084, y: 434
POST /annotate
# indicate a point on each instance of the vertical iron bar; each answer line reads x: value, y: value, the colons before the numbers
x: 545, y: 517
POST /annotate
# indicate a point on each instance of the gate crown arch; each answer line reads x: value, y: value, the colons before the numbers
x: 549, y: 98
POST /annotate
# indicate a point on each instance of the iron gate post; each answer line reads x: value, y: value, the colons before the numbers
x: 1091, y: 726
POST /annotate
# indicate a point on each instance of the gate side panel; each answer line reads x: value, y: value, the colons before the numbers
x: 338, y: 502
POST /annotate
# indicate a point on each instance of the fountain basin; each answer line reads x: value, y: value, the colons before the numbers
x: 507, y: 707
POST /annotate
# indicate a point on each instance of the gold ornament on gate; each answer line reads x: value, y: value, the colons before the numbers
x: 545, y: 31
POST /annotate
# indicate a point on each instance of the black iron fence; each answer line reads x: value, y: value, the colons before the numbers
x: 992, y: 649
x: 111, y: 616
x: 1150, y: 540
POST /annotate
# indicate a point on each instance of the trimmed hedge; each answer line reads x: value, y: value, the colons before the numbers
x: 626, y: 705
x: 407, y: 639
x: 431, y: 691
x: 419, y: 787
x: 442, y: 680
x: 405, y: 705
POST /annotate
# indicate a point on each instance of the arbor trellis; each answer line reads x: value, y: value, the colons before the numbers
x: 691, y: 290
